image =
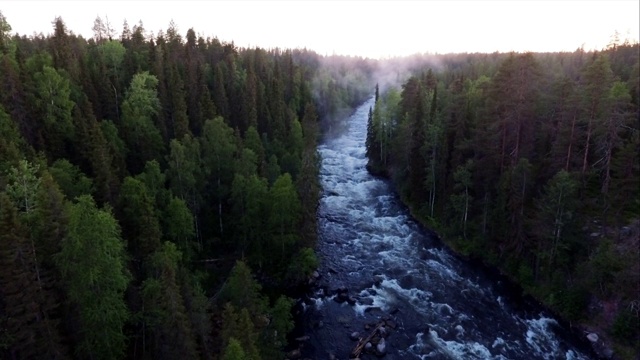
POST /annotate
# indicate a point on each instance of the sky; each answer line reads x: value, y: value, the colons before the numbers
x: 375, y: 29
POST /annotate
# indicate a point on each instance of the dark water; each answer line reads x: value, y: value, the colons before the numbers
x: 444, y: 308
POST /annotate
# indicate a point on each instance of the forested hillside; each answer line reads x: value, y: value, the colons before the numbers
x: 528, y: 162
x: 157, y: 193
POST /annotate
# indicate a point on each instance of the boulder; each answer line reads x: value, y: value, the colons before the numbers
x: 342, y: 295
x: 368, y: 347
x: 372, y: 308
x: 377, y: 279
x: 294, y: 354
x: 593, y: 337
x: 382, y: 331
x: 381, y: 348
x: 391, y: 324
x: 354, y: 336
x: 366, y: 301
x: 303, y: 338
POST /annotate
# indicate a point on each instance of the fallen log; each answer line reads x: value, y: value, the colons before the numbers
x: 363, y: 341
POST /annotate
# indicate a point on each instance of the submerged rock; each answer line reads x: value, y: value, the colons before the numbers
x: 294, y: 354
x: 303, y: 338
x: 381, y: 348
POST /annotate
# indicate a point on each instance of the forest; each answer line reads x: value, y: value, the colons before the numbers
x: 158, y: 193
x: 527, y: 162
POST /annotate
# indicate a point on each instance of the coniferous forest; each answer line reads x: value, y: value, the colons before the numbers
x: 529, y: 163
x: 158, y: 194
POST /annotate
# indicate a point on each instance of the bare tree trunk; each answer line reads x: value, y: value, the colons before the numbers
x: 573, y: 125
x: 586, y: 149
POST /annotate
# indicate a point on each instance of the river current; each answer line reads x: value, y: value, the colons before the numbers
x: 442, y: 306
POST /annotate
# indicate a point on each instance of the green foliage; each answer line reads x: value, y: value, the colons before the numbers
x: 237, y: 324
x: 528, y: 161
x: 113, y: 54
x: 28, y: 329
x: 184, y: 168
x: 217, y: 161
x: 284, y: 217
x: 273, y: 169
x: 50, y: 221
x: 462, y: 200
x: 70, y: 179
x: 555, y: 218
x: 249, y: 195
x: 274, y: 337
x: 12, y: 144
x: 572, y: 302
x: 603, y: 266
x: 626, y: 327
x: 234, y: 351
x: 303, y: 264
x: 139, y: 222
x: 178, y: 225
x: 243, y: 291
x: 54, y: 107
x: 140, y: 134
x: 22, y: 185
x: 5, y: 31
x: 133, y: 122
x: 92, y: 264
x: 165, y: 313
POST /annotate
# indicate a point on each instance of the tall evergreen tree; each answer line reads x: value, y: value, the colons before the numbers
x: 28, y: 329
x: 92, y: 264
x: 165, y: 315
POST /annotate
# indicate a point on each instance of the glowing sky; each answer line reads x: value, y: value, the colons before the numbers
x: 365, y: 28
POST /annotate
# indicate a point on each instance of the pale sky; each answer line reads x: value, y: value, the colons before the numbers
x: 365, y: 28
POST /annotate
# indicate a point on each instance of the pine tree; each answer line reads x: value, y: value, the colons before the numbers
x: 234, y: 351
x: 554, y: 218
x: 237, y: 325
x: 165, y: 314
x: 140, y: 225
x: 218, y: 149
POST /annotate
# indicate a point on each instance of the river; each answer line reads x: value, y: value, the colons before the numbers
x: 442, y: 307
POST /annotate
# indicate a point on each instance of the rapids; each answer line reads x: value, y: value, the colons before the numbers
x: 444, y: 307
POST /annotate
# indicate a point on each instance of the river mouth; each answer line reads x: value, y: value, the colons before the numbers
x: 378, y: 264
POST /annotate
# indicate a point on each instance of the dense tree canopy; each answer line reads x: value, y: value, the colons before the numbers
x: 512, y: 158
x: 136, y: 169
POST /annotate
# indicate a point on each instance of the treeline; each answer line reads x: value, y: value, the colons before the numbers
x: 157, y: 193
x: 530, y: 163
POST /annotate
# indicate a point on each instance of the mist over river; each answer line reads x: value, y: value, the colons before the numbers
x: 440, y: 306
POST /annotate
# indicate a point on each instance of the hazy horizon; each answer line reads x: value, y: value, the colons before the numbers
x: 376, y: 29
